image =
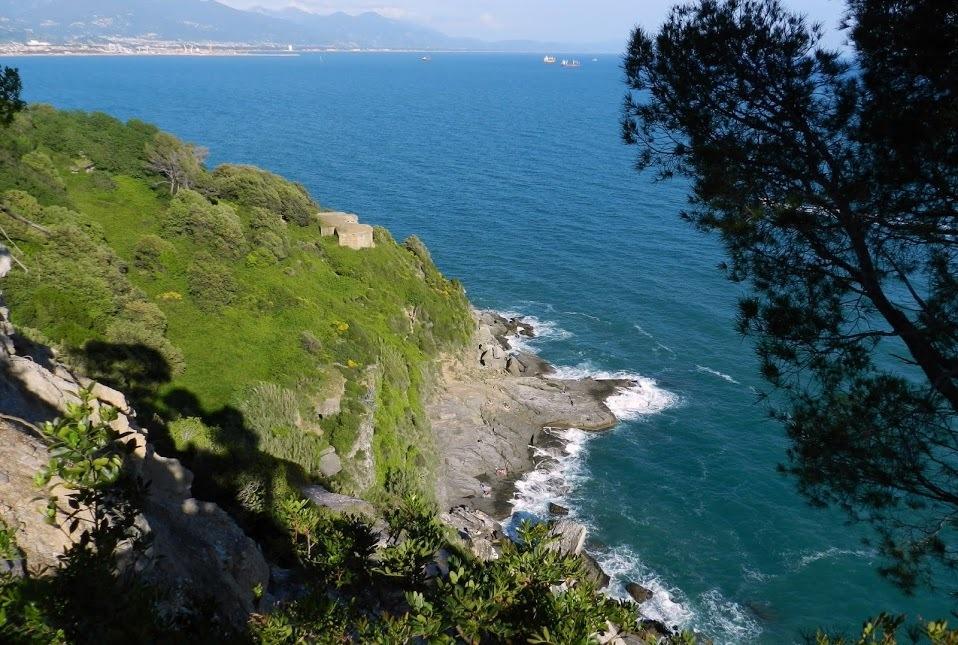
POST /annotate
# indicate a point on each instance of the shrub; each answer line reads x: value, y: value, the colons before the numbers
x: 269, y: 231
x: 58, y: 215
x: 215, y: 227
x: 211, y: 284
x: 102, y: 181
x: 190, y: 433
x: 252, y: 187
x: 260, y: 258
x: 43, y: 166
x: 141, y: 324
x: 109, y: 143
x: 415, y: 246
x: 24, y: 205
x: 148, y: 253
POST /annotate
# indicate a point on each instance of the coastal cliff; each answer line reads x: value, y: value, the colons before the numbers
x: 320, y: 427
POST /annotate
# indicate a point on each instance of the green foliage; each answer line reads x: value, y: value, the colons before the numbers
x: 269, y: 231
x: 148, y: 254
x: 24, y: 617
x: 260, y: 258
x: 179, y: 163
x: 255, y: 188
x: 300, y: 308
x: 82, y: 448
x: 416, y: 536
x: 108, y: 143
x: 884, y: 630
x: 334, y: 549
x: 215, y: 227
x: 532, y: 593
x: 210, y: 283
x: 46, y: 172
x: 314, y: 619
x: 10, y: 88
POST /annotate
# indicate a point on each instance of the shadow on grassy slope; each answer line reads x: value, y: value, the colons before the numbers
x: 223, y: 453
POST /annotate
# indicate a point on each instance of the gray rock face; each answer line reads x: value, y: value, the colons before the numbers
x: 21, y: 456
x: 330, y: 402
x: 329, y: 463
x: 198, y: 549
x: 6, y: 261
x: 570, y: 537
x: 639, y: 593
x: 339, y: 503
x: 632, y: 639
x: 594, y: 572
x: 555, y: 509
x: 515, y: 367
x: 486, y: 417
x: 480, y: 533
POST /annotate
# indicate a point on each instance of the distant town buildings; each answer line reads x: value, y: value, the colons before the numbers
x: 138, y: 47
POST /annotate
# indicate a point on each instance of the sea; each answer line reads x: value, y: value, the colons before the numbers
x: 514, y: 174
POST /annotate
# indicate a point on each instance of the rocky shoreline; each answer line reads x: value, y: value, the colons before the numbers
x: 494, y: 405
x: 496, y: 408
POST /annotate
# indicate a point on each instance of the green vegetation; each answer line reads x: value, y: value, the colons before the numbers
x: 212, y: 297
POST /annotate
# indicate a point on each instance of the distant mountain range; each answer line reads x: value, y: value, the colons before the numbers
x: 201, y: 21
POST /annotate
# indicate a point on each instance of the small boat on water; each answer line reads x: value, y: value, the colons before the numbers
x: 549, y: 60
x: 571, y: 63
x: 426, y: 59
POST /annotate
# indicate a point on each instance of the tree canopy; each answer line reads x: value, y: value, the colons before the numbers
x: 832, y: 180
x: 10, y: 88
x: 180, y: 163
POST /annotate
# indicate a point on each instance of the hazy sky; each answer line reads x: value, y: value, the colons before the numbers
x: 546, y: 20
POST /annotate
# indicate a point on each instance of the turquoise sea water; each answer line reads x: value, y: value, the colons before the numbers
x: 513, y: 174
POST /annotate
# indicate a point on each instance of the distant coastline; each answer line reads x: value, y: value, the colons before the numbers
x: 219, y: 50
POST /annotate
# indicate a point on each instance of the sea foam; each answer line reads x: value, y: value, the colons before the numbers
x: 541, y: 329
x: 709, y: 370
x: 558, y: 469
x: 711, y: 613
x: 632, y: 403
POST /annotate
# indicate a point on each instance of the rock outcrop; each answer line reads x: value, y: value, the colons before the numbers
x: 492, y: 406
x: 639, y: 593
x: 480, y: 533
x: 339, y: 503
x: 197, y: 552
x: 569, y: 537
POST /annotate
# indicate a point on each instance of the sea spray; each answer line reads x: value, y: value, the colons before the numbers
x: 628, y: 403
x: 541, y: 330
x: 559, y: 467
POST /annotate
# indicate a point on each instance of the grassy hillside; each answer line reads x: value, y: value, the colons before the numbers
x: 221, y: 309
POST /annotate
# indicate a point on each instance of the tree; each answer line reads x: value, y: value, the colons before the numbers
x: 10, y: 101
x: 833, y: 182
x: 180, y: 163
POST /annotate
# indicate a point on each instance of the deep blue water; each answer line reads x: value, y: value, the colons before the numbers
x: 514, y: 175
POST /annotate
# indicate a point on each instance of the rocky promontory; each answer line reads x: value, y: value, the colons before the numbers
x: 492, y: 407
